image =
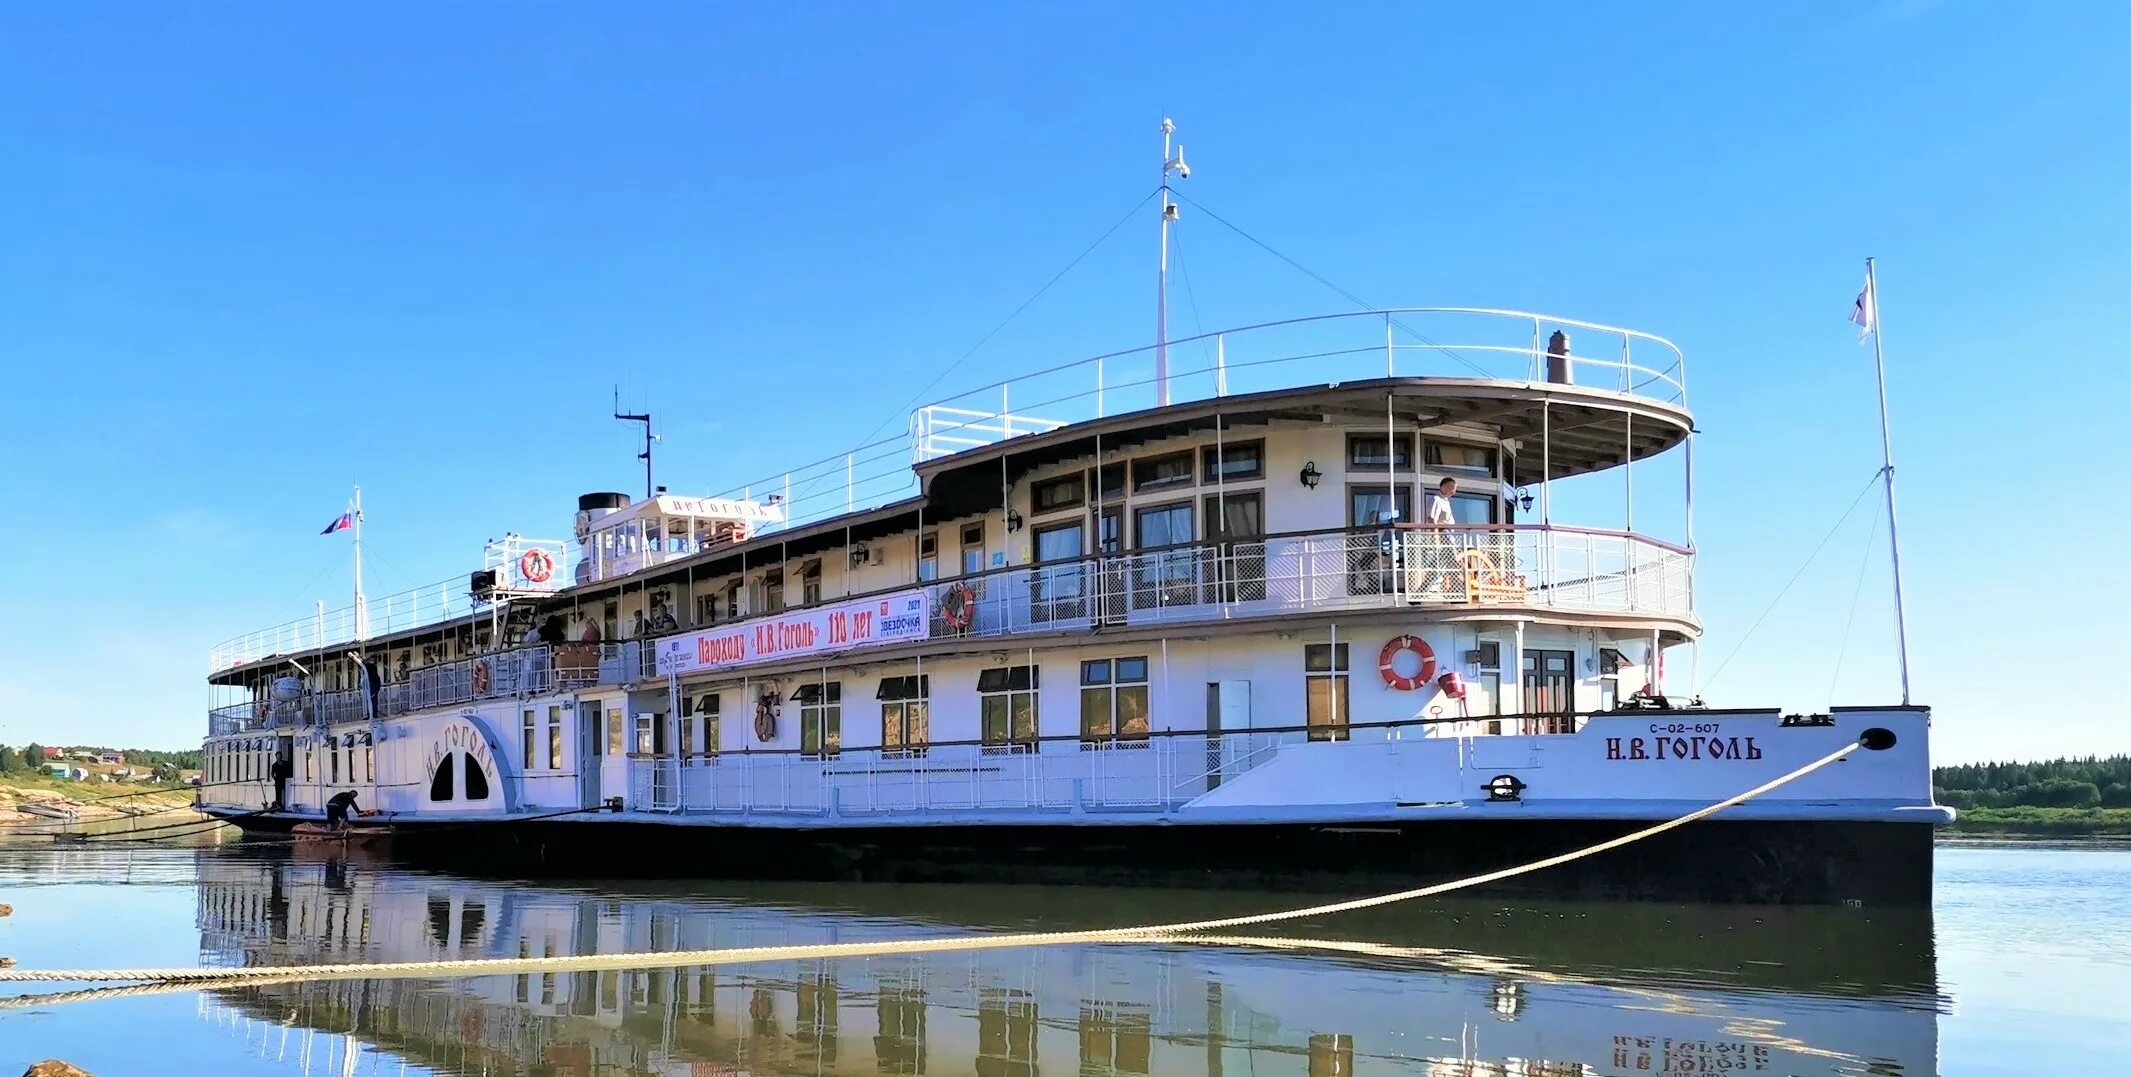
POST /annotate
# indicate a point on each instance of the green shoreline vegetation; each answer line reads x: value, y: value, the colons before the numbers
x: 2057, y: 798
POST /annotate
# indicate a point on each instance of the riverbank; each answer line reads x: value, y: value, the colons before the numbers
x: 89, y: 803
x: 2043, y: 822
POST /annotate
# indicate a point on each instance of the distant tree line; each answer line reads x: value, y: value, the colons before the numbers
x: 163, y: 766
x: 2090, y: 782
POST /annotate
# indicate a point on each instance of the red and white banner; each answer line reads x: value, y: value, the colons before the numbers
x: 865, y: 622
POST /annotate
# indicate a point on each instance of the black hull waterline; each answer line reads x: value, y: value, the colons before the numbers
x: 1872, y: 864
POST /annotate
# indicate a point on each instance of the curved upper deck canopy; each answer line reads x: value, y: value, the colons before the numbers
x: 1562, y: 430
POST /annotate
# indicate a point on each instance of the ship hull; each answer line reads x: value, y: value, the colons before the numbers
x: 1817, y: 862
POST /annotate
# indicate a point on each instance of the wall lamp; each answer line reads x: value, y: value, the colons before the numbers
x: 1310, y: 475
x: 1523, y: 499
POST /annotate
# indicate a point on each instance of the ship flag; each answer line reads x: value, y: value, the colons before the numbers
x: 1864, y: 312
x: 342, y: 522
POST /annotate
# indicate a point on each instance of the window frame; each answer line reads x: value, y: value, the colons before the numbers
x: 1213, y: 457
x: 1334, y: 669
x: 1077, y: 481
x: 821, y: 713
x: 1142, y: 482
x: 906, y: 705
x: 527, y: 728
x: 1395, y: 443
x: 1011, y: 686
x: 1432, y: 463
x: 1106, y: 683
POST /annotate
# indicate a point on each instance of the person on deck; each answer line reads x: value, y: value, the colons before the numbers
x: 339, y: 808
x: 283, y: 771
x: 1442, y: 546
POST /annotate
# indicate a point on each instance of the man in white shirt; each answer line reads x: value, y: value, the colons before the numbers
x: 1441, y: 550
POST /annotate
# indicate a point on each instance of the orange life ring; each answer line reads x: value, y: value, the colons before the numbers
x: 536, y: 566
x: 1386, y: 659
x: 958, y: 606
x: 481, y: 677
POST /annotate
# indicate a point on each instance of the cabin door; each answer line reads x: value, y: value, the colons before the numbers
x: 1110, y: 604
x: 1549, y: 691
x: 588, y: 753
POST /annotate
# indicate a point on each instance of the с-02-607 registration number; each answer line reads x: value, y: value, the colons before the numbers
x: 1675, y: 729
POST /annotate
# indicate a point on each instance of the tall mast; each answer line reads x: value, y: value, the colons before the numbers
x: 1172, y: 162
x: 1886, y: 471
x: 649, y: 437
x: 362, y: 614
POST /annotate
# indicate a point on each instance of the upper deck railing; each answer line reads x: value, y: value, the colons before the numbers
x: 1511, y: 567
x: 1325, y: 349
x: 1469, y: 342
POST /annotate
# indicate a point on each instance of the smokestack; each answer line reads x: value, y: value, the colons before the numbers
x: 1557, y: 359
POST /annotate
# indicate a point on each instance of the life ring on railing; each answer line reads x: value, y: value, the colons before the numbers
x: 536, y: 566
x: 1387, y: 662
x: 481, y: 676
x: 958, y: 606
x: 766, y: 719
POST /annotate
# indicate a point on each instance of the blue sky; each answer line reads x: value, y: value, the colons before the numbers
x: 251, y: 258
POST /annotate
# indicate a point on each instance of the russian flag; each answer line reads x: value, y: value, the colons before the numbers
x: 343, y: 522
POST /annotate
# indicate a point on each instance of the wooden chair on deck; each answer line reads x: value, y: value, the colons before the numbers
x: 1485, y: 581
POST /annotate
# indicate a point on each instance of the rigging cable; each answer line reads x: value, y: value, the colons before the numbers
x: 1856, y: 595
x: 1808, y: 563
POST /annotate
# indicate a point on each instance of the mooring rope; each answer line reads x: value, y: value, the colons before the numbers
x: 223, y: 977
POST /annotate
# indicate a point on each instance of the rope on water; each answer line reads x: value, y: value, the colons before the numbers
x: 224, y: 977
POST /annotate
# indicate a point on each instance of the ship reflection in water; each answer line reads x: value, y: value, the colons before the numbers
x: 1442, y: 988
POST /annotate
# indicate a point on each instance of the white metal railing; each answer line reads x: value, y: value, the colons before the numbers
x: 1526, y: 566
x: 1405, y: 341
x: 1470, y: 342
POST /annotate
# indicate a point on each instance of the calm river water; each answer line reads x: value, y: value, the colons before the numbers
x: 2023, y: 967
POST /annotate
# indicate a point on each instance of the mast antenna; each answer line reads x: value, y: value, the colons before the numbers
x: 649, y: 437
x: 1172, y: 164
x: 1867, y: 316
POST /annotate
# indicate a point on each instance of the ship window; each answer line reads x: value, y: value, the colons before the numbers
x: 972, y: 549
x: 441, y: 785
x: 527, y: 732
x: 1325, y: 699
x: 1451, y: 458
x: 906, y: 714
x: 773, y: 591
x: 1110, y: 482
x: 554, y: 738
x: 821, y: 718
x: 810, y: 582
x: 476, y: 781
x: 1377, y: 452
x: 614, y: 731
x: 707, y: 609
x: 1113, y: 702
x: 1064, y: 492
x: 928, y: 557
x: 1234, y: 462
x: 1162, y: 472
x: 1007, y: 708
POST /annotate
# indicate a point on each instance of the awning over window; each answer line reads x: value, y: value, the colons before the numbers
x: 1007, y: 679
x: 917, y: 687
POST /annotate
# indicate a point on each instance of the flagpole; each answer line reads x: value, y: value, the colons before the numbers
x: 1886, y: 452
x: 362, y: 626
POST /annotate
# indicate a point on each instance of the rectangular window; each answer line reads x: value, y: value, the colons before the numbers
x: 687, y: 739
x: 1162, y: 472
x: 706, y: 707
x: 1367, y: 502
x: 1324, y: 667
x: 810, y: 582
x: 972, y: 549
x: 646, y: 735
x: 554, y: 738
x: 369, y: 763
x: 525, y: 736
x: 1473, y: 508
x: 773, y: 591
x: 707, y: 609
x: 928, y: 557
x: 1060, y: 542
x: 614, y: 732
x: 1055, y: 495
x: 310, y: 765
x: 821, y: 718
x: 1110, y: 482
x: 1233, y: 462
x: 333, y: 764
x: 1377, y: 452
x: 1006, y: 698
x: 1113, y: 702
x: 1451, y: 458
x: 906, y: 714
